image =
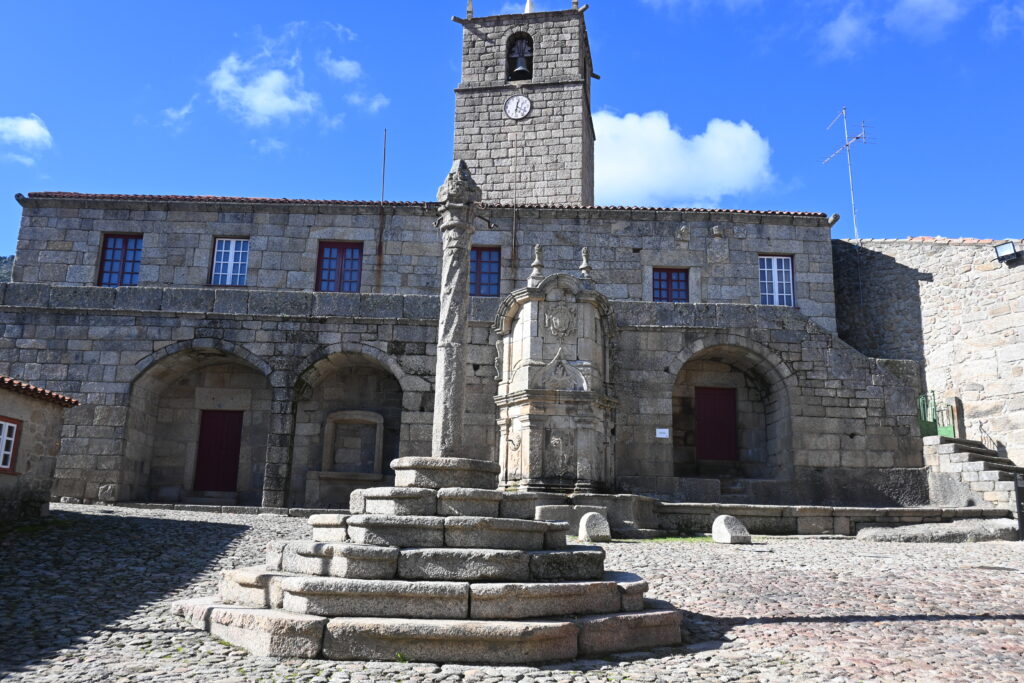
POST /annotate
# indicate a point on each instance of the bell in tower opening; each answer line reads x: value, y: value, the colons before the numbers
x: 520, y: 58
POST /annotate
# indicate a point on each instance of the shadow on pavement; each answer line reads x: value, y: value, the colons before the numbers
x: 704, y: 630
x: 71, y: 575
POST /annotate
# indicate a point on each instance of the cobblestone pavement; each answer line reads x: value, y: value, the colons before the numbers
x: 84, y: 597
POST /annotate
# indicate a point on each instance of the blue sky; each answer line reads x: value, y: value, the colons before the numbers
x: 701, y: 103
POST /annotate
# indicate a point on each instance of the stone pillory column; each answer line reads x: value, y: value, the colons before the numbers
x: 458, y: 197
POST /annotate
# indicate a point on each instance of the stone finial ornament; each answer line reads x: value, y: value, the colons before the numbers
x: 537, y: 276
x: 459, y: 187
x: 585, y: 267
x: 458, y: 196
x: 529, y: 7
x: 469, y: 9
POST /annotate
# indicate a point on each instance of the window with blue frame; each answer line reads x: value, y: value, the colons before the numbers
x: 339, y: 267
x: 120, y: 261
x: 671, y: 284
x: 485, y: 271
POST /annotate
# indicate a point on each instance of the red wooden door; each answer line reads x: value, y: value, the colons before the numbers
x: 715, y: 412
x: 220, y: 440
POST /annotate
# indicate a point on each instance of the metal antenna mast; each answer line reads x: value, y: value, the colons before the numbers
x: 848, y: 143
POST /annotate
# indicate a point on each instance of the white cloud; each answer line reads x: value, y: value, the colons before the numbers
x: 371, y: 104
x: 175, y: 118
x: 846, y: 32
x: 19, y: 159
x: 346, y: 70
x: 259, y: 96
x: 344, y: 33
x: 27, y: 132
x: 925, y: 19
x: 642, y: 160
x: 1005, y: 18
x: 268, y: 145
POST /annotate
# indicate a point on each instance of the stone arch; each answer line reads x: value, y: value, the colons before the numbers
x: 309, y: 367
x: 203, y: 345
x: 519, y: 57
x: 177, y: 393
x: 758, y: 384
x: 349, y: 423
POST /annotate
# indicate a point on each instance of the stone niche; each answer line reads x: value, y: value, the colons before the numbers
x: 353, y: 453
x: 554, y: 402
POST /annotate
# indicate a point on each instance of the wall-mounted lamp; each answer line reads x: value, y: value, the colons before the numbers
x: 1007, y: 252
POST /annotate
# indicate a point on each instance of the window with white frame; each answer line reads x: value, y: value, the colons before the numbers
x: 776, y: 276
x: 8, y: 443
x: 230, y: 262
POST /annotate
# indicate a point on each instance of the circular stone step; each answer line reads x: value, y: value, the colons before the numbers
x: 393, y: 500
x: 451, y: 641
x: 494, y: 532
x: 459, y: 502
x: 573, y: 563
x: 457, y: 564
x: 397, y: 531
x: 331, y: 597
x: 441, y: 473
x: 526, y: 600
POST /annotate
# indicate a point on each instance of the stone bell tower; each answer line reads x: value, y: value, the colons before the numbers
x: 522, y: 112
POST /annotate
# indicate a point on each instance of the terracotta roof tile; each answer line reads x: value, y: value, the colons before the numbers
x: 17, y: 386
x: 346, y: 202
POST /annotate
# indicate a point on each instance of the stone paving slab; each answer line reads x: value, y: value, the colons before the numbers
x: 96, y: 608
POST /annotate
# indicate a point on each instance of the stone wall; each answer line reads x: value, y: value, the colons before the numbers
x: 848, y: 417
x: 122, y: 351
x: 951, y: 306
x: 26, y: 492
x: 60, y: 243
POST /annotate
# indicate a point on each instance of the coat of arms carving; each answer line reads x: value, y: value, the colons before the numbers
x: 560, y: 321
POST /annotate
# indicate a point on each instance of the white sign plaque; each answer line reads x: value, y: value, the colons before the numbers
x: 661, y: 433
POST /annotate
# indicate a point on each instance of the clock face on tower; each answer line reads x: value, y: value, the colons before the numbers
x: 518, y: 107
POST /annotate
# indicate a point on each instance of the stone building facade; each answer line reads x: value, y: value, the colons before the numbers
x: 952, y: 307
x: 31, y: 419
x: 282, y: 352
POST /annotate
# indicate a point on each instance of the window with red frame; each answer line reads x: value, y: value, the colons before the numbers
x: 485, y: 271
x: 339, y: 267
x: 671, y: 284
x: 120, y: 260
x: 9, y: 432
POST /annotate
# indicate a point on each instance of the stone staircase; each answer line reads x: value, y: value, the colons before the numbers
x: 440, y: 568
x: 989, y: 478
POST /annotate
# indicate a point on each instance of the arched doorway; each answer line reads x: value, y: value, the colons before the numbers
x: 198, y: 421
x: 348, y: 429
x: 731, y: 416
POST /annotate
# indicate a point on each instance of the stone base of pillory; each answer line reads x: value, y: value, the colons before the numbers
x: 412, y: 578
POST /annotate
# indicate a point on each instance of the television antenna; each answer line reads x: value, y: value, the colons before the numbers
x: 847, y: 145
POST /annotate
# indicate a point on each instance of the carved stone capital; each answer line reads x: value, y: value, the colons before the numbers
x: 458, y: 197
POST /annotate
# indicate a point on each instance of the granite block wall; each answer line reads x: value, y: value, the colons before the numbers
x: 60, y: 243
x: 846, y: 415
x: 949, y: 305
x: 25, y: 492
